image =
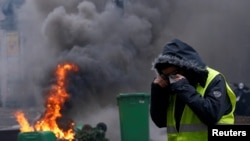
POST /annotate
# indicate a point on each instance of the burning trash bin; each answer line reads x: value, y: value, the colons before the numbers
x: 134, y: 116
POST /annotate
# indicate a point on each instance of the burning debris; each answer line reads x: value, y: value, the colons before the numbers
x: 55, y: 100
x: 89, y: 133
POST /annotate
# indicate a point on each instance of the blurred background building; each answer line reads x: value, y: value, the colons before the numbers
x: 10, y: 51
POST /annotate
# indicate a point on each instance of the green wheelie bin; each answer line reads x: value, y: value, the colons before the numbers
x: 134, y: 116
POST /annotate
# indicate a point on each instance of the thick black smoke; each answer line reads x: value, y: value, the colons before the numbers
x: 110, y: 44
x: 114, y: 47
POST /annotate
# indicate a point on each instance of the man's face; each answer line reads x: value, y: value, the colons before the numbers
x: 172, y: 70
x: 169, y: 73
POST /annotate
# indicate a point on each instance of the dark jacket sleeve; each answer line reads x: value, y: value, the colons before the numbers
x: 209, y: 108
x: 158, y: 105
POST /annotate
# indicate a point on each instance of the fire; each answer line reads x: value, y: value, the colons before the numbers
x: 57, y: 96
x: 25, y: 126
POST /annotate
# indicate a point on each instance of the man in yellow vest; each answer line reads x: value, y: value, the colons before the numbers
x: 187, y: 96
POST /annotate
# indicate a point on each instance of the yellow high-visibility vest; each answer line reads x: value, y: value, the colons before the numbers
x: 191, y: 128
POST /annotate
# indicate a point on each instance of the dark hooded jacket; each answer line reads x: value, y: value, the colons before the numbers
x: 209, y: 108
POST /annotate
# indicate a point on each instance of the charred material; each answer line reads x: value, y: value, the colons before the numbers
x: 89, y: 133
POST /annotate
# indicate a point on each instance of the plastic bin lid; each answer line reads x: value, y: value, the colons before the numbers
x: 126, y: 95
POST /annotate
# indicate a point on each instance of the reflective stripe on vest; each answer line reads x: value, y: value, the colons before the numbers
x: 188, y: 128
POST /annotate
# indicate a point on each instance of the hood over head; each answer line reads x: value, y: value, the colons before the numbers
x: 179, y: 53
x: 182, y: 55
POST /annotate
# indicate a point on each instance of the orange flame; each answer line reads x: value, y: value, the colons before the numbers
x: 57, y: 96
x: 25, y: 126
